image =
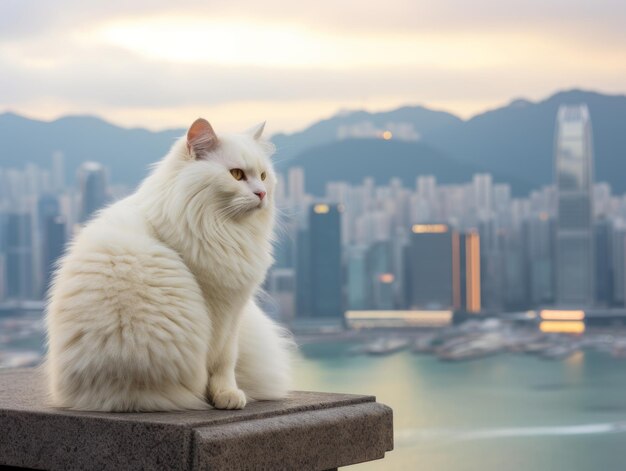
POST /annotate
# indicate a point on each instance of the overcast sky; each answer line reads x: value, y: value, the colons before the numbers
x: 158, y: 63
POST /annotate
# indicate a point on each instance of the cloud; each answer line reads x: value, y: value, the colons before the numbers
x: 298, y: 60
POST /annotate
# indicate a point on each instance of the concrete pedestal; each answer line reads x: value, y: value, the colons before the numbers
x: 307, y: 431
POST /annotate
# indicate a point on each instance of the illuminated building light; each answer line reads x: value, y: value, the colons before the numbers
x: 472, y: 272
x: 562, y: 327
x: 387, y: 135
x: 386, y: 278
x: 562, y: 315
x: 429, y: 228
x: 442, y: 314
x: 396, y: 319
x: 321, y: 208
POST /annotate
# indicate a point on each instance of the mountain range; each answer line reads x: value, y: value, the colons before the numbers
x: 513, y: 142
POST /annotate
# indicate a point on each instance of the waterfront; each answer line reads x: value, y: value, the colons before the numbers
x: 509, y: 411
x: 513, y: 411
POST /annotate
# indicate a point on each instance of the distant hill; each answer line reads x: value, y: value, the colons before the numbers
x: 514, y: 143
x: 519, y: 138
x: 126, y: 152
x: 423, y: 120
x: 352, y: 160
x: 514, y: 140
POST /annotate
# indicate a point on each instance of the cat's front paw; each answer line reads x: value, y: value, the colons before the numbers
x: 229, y: 399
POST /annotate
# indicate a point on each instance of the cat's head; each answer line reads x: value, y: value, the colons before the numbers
x: 230, y: 175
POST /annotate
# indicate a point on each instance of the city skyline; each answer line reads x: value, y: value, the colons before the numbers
x: 502, y: 249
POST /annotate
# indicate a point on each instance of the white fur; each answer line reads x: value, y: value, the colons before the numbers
x: 153, y: 306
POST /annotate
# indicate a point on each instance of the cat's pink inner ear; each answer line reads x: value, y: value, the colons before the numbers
x: 201, y: 138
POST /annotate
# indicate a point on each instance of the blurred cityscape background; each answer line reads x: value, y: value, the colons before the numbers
x: 468, y: 266
x: 378, y: 227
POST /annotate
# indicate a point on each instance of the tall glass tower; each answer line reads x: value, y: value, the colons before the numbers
x: 573, y: 160
x: 93, y: 189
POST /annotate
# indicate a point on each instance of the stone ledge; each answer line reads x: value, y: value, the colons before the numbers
x: 307, y: 431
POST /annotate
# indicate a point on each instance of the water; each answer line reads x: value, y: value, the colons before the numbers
x: 506, y: 412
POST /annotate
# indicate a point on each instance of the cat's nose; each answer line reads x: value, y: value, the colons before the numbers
x: 260, y: 194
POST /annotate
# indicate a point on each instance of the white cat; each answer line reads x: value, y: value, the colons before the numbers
x: 153, y: 308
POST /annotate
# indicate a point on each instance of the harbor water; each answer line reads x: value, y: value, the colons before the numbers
x: 503, y: 412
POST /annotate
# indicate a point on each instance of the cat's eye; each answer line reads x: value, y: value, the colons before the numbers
x: 263, y: 176
x: 237, y: 173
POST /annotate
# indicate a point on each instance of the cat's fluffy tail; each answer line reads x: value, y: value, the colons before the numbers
x: 265, y: 356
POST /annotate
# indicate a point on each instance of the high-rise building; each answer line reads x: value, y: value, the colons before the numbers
x: 357, y: 292
x: 618, y: 265
x: 319, y: 270
x: 426, y: 186
x: 48, y: 207
x: 19, y: 256
x: 432, y: 281
x: 53, y: 246
x: 501, y: 198
x: 303, y: 274
x: 381, y: 276
x: 514, y: 270
x: 280, y: 286
x: 574, y: 181
x: 93, y: 189
x: 603, y: 255
x: 58, y: 171
x: 538, y: 239
x: 444, y: 268
x: 482, y: 185
x: 469, y: 275
x: 295, y: 180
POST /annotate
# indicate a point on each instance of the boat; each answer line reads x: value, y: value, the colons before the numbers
x: 473, y: 348
x: 424, y: 344
x: 386, y: 346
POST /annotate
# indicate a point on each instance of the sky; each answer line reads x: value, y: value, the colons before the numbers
x: 160, y: 64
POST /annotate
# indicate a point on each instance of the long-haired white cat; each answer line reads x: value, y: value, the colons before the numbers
x: 153, y: 306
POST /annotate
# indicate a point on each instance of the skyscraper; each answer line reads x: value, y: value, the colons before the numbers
x: 444, y: 268
x: 356, y: 283
x: 93, y: 189
x: 482, y: 185
x: 280, y: 286
x: 48, y: 208
x: 295, y: 180
x: 381, y: 275
x: 469, y: 265
x: 618, y: 265
x: 573, y: 162
x: 433, y: 280
x: 603, y: 239
x: 58, y: 172
x: 19, y: 256
x: 53, y: 246
x: 538, y: 237
x: 319, y: 269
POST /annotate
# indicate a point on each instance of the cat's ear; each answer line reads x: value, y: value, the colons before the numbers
x: 201, y: 139
x: 257, y: 131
